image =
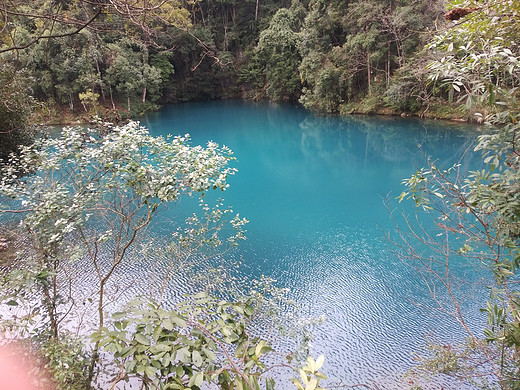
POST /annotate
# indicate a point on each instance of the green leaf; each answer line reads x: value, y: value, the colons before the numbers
x: 196, y: 358
x: 119, y: 315
x: 226, y: 331
x: 249, y: 364
x: 180, y: 322
x: 298, y: 384
x: 130, y: 365
x: 254, y: 382
x: 303, y: 375
x: 491, y: 94
x: 320, y: 375
x: 167, y: 324
x: 127, y: 352
x: 183, y: 355
x: 238, y: 383
x: 269, y: 384
x: 258, y: 349
x: 162, y: 347
x: 142, y: 339
x: 174, y: 385
x: 249, y: 311
x: 150, y: 371
x: 199, y: 379
x: 311, y: 364
x: 469, y: 102
x: 211, y: 356
x: 196, y: 380
x: 140, y: 369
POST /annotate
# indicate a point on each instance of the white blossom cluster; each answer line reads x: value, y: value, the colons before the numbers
x: 60, y: 182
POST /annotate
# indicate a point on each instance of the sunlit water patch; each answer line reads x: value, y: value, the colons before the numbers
x: 314, y: 189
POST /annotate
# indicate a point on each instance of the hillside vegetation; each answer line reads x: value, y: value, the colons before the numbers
x: 331, y: 56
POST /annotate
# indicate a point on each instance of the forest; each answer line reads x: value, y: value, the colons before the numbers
x: 92, y: 193
x: 327, y: 55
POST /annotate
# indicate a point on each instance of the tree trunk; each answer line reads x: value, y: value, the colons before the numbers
x: 101, y: 321
x: 101, y: 85
x: 202, y: 16
x: 225, y: 37
x: 111, y: 98
x: 50, y: 305
x: 368, y: 74
x: 143, y: 71
x: 388, y: 66
x: 256, y: 11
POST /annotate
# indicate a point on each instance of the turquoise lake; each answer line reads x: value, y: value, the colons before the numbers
x: 313, y: 189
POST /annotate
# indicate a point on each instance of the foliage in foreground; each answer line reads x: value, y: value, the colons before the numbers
x: 478, y: 214
x: 85, y: 201
x: 204, y: 339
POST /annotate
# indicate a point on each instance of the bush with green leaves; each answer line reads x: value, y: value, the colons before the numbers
x: 204, y: 339
x: 87, y: 195
x: 477, y: 212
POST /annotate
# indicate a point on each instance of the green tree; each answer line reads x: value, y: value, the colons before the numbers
x: 83, y: 179
x: 279, y: 54
x: 91, y: 64
x: 130, y: 73
x: 161, y: 61
x: 28, y: 22
x: 16, y: 105
x: 61, y: 68
x: 382, y: 35
x: 480, y: 63
x: 323, y: 82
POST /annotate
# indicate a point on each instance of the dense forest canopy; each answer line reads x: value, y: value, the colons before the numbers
x: 122, y: 57
x: 324, y: 54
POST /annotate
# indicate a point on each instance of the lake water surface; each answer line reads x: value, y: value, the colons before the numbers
x: 314, y: 189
